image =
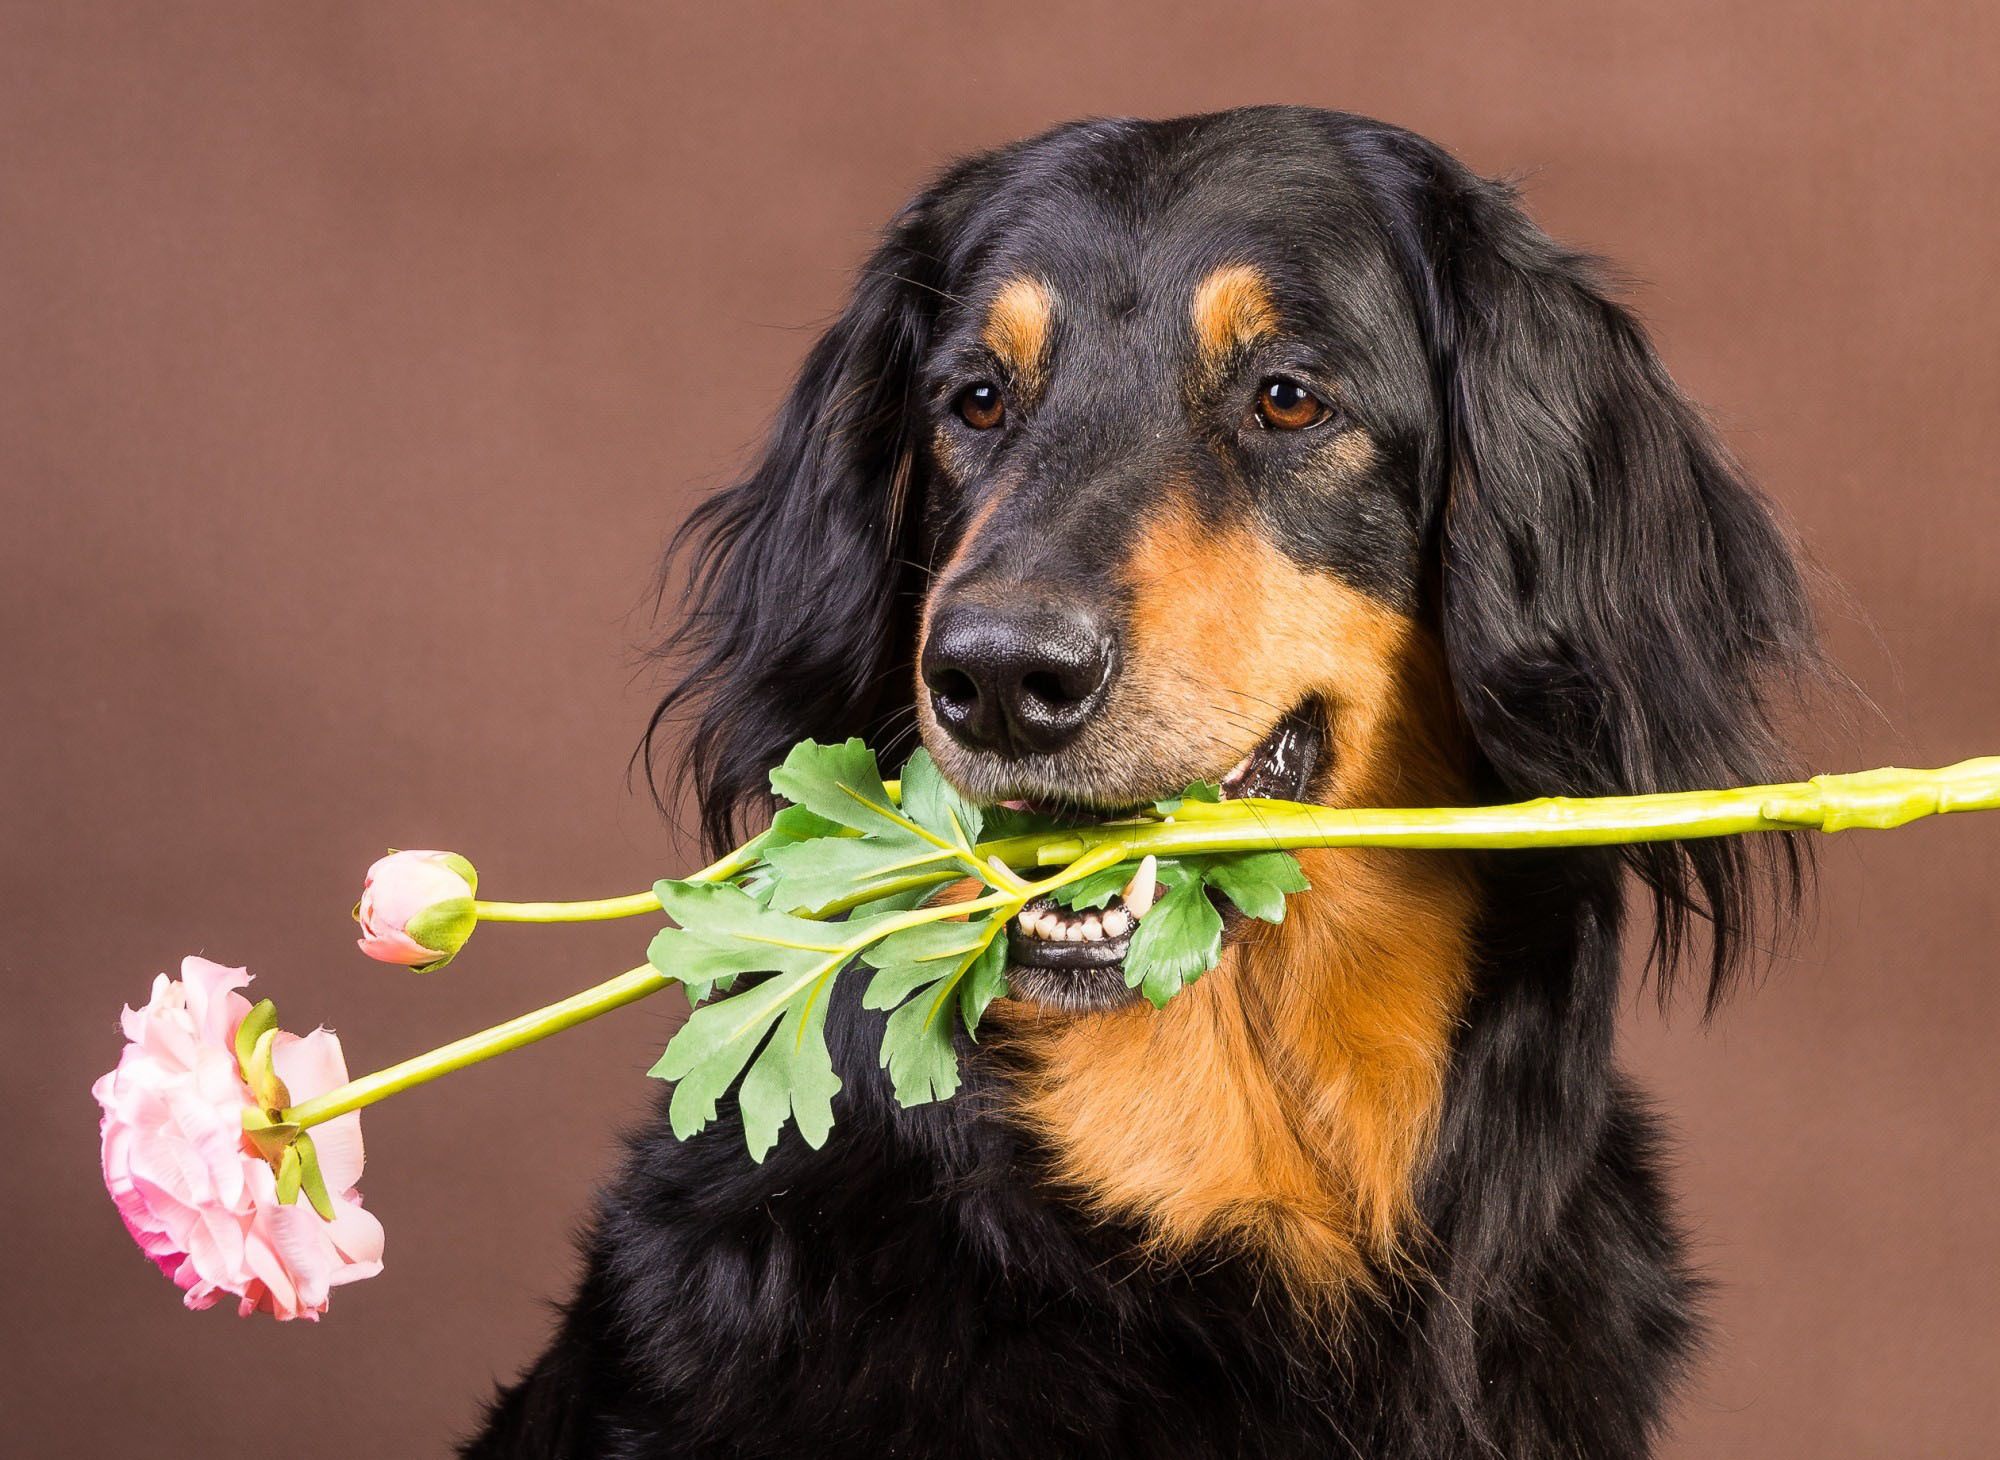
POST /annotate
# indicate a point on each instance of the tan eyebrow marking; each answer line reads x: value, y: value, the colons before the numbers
x: 1017, y: 325
x: 1231, y: 306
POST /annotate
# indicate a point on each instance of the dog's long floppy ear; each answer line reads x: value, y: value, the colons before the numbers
x: 797, y: 577
x: 1617, y: 601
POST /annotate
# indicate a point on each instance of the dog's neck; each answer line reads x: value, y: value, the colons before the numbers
x: 1286, y: 1102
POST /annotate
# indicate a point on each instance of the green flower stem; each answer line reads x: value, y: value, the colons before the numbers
x: 566, y: 1013
x: 598, y: 909
x: 589, y: 911
x: 614, y: 993
x: 1879, y: 799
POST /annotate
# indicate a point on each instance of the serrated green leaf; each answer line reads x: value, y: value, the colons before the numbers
x: 1207, y: 791
x: 935, y: 804
x: 1175, y: 943
x: 922, y: 975
x: 704, y: 1058
x: 724, y: 932
x: 1003, y: 822
x: 808, y: 876
x: 984, y: 982
x: 798, y: 824
x: 1256, y: 882
x: 895, y: 902
x: 794, y: 1077
x: 839, y: 790
x: 917, y: 1047
x: 1095, y: 890
x: 917, y: 956
x: 841, y: 783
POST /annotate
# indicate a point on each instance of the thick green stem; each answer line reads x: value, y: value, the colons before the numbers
x: 597, y: 909
x: 589, y: 911
x: 1880, y: 798
x: 564, y: 1014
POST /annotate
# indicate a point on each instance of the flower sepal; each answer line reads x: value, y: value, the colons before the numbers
x: 289, y: 1149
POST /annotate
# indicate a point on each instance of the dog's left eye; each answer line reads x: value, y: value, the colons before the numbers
x: 980, y: 405
x: 1285, y: 405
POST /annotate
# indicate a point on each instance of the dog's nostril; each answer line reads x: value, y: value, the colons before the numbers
x: 955, y: 686
x: 1048, y: 688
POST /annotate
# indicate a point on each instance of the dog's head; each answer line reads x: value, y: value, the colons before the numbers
x: 1272, y: 448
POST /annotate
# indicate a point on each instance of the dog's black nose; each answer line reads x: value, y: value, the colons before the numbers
x: 1018, y: 680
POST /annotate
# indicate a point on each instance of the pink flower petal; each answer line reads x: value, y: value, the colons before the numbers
x: 195, y: 1196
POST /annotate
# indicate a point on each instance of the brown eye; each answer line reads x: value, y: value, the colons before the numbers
x: 980, y: 405
x: 1285, y: 405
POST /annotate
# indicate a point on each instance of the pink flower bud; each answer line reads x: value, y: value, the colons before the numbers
x: 195, y: 1193
x: 416, y: 908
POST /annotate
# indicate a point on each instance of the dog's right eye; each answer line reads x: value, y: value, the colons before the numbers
x: 980, y: 405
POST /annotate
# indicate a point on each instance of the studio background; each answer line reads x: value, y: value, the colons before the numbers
x: 355, y: 360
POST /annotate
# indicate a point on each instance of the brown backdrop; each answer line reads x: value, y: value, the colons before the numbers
x: 357, y: 357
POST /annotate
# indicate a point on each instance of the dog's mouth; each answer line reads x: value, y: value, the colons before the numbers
x: 1074, y: 959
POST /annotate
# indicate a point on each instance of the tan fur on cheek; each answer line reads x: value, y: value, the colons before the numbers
x: 1285, y: 1104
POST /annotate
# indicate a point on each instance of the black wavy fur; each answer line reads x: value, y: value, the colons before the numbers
x: 1613, y: 599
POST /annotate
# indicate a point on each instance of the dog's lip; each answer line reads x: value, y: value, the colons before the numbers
x: 1088, y: 973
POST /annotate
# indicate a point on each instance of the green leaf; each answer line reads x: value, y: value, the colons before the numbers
x: 894, y: 902
x: 1003, y: 822
x: 1207, y: 791
x: 983, y: 983
x: 797, y: 824
x: 299, y: 1171
x: 792, y: 1077
x: 1097, y: 889
x: 1256, y: 882
x: 809, y: 876
x: 841, y: 783
x: 917, y: 1047
x: 935, y: 804
x: 724, y: 933
x: 1175, y: 943
x: 840, y: 788
x: 917, y: 956
x: 922, y: 971
x: 704, y: 1058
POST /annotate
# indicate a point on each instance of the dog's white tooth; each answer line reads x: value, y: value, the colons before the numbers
x: 1117, y: 923
x: 1074, y: 933
x: 1138, y: 893
x: 1044, y: 924
x: 1093, y: 928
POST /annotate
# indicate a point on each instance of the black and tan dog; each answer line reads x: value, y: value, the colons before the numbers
x: 1271, y: 445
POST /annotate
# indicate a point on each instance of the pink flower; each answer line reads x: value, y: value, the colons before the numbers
x: 416, y: 908
x: 195, y: 1194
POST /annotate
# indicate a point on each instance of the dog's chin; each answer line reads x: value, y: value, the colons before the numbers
x: 1074, y: 961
